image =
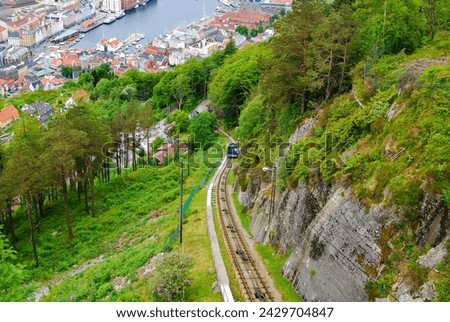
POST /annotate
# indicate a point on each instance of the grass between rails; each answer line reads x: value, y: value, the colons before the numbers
x: 240, y: 209
x: 136, y: 212
x: 274, y: 263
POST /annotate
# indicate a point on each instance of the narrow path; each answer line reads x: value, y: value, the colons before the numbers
x: 45, y: 289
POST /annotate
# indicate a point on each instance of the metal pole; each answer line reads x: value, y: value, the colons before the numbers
x: 188, y: 155
x: 181, y: 201
x: 272, y: 197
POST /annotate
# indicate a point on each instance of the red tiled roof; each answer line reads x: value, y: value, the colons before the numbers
x: 8, y: 114
x: 33, y: 24
x: 244, y: 18
x: 156, y: 50
x: 159, y: 156
x: 16, y: 23
x: 55, y: 62
x: 72, y: 6
x: 87, y: 23
x: 71, y: 61
x: 80, y: 94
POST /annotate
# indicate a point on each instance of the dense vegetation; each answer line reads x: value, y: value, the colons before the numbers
x: 347, y: 63
x: 375, y: 76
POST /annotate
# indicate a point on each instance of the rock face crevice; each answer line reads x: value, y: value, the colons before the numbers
x: 329, y: 263
x: 434, y: 221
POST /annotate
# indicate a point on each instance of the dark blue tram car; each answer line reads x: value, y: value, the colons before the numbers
x: 233, y: 150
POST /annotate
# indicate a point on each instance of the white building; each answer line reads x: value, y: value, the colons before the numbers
x: 48, y: 29
x: 112, y: 5
x: 178, y: 57
x: 13, y: 38
x: 110, y: 45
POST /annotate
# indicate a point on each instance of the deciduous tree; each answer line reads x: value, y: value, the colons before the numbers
x: 202, y: 129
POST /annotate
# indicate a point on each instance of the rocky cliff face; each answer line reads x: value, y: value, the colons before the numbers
x: 338, y: 244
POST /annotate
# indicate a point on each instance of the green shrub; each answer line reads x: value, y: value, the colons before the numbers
x: 408, y: 195
x: 172, y: 276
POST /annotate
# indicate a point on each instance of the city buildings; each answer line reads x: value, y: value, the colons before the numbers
x: 36, y: 40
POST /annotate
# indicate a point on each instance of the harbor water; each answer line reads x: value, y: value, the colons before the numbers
x: 153, y: 19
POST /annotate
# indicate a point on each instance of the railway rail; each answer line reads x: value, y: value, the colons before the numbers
x: 253, y: 285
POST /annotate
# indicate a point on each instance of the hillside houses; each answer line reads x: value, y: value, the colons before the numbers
x: 168, y: 151
x: 79, y: 96
x: 7, y: 115
x: 42, y: 110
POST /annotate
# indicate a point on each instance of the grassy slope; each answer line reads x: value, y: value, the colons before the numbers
x: 56, y: 98
x: 136, y: 212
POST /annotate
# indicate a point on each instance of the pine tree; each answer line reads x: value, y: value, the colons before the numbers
x: 23, y: 175
x: 64, y: 145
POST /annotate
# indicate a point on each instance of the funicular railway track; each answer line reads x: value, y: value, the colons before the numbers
x: 254, y: 287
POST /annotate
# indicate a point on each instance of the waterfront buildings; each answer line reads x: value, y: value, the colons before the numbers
x: 29, y: 61
x: 128, y: 4
x: 109, y: 45
x: 114, y: 6
x: 233, y: 19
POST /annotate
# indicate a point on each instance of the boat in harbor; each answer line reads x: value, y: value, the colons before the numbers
x: 121, y: 14
x: 221, y: 10
x: 110, y: 20
x: 228, y: 3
